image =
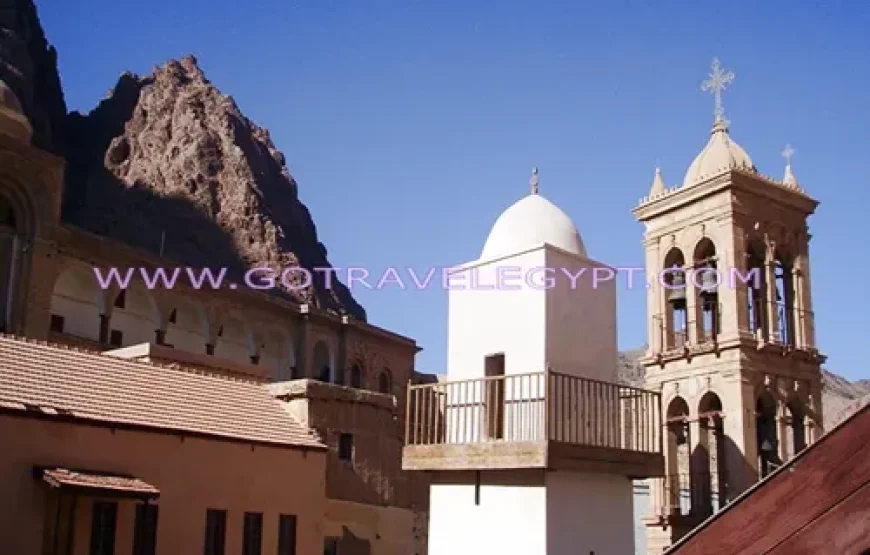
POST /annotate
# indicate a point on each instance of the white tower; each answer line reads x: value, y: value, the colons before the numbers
x: 531, y: 445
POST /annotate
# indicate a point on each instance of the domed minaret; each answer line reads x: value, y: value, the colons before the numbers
x: 530, y: 443
x: 731, y: 339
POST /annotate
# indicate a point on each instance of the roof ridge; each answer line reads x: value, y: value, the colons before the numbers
x: 103, y: 355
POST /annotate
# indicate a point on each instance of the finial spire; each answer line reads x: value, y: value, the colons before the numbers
x: 789, y: 178
x: 533, y: 181
x: 658, y: 185
x: 719, y: 80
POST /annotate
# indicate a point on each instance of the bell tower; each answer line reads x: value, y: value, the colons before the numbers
x: 731, y: 340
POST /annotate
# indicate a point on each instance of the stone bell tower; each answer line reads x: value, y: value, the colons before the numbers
x: 730, y: 327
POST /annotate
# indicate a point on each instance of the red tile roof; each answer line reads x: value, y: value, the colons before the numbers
x: 60, y: 477
x: 66, y: 382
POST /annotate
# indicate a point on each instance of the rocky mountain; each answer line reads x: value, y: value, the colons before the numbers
x: 840, y: 397
x: 169, y: 164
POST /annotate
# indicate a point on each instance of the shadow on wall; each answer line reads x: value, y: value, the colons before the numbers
x: 349, y: 544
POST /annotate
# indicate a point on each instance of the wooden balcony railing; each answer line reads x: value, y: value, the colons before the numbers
x: 535, y: 407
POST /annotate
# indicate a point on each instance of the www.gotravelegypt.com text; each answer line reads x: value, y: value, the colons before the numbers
x: 498, y: 278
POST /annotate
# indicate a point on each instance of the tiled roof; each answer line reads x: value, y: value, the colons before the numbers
x: 60, y: 477
x: 61, y: 381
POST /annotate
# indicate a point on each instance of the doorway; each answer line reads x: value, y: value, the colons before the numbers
x: 494, y: 399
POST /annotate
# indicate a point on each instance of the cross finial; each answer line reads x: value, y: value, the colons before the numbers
x: 533, y: 181
x: 719, y: 79
x: 787, y: 153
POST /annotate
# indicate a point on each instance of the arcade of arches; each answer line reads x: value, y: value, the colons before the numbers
x: 696, y: 448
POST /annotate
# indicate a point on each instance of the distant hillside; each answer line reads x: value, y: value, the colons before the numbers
x: 840, y: 397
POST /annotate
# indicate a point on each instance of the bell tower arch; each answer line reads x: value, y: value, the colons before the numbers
x: 730, y: 327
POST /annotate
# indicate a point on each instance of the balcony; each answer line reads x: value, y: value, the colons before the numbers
x: 541, y: 420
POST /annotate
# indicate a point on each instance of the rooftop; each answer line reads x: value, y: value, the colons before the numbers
x: 40, y: 379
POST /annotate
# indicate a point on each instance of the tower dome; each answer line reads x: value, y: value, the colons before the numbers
x: 13, y: 122
x: 720, y: 154
x: 531, y: 222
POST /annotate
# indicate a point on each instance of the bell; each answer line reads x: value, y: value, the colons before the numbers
x: 677, y: 293
x: 709, y: 283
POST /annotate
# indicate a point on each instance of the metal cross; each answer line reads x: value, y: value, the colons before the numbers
x: 533, y: 182
x: 787, y: 154
x: 719, y: 79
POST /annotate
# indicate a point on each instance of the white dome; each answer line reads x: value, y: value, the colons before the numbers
x: 13, y: 122
x: 529, y: 223
x: 721, y: 153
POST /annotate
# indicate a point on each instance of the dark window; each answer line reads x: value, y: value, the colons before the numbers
x: 116, y: 338
x: 345, y: 447
x: 173, y: 316
x: 103, y: 519
x: 252, y: 540
x: 287, y: 535
x: 145, y: 530
x: 121, y: 299
x: 215, y: 531
x: 330, y: 546
x: 384, y: 385
x: 57, y: 322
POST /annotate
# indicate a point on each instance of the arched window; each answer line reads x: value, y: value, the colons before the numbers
x: 385, y: 384
x: 756, y: 289
x: 677, y: 480
x: 706, y: 281
x: 356, y: 375
x: 675, y: 317
x: 322, y: 362
x: 765, y: 430
x: 784, y: 297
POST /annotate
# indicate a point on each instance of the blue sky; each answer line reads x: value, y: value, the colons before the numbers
x: 410, y: 126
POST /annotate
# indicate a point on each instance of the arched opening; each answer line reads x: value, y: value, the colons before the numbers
x: 677, y: 479
x: 675, y: 317
x: 275, y: 354
x: 708, y: 459
x: 797, y: 425
x: 356, y: 375
x: 784, y: 298
x: 135, y: 317
x: 10, y: 262
x: 385, y: 382
x: 234, y: 341
x: 187, y: 327
x: 76, y: 304
x: 765, y: 431
x: 322, y: 362
x: 707, y: 277
x: 756, y: 289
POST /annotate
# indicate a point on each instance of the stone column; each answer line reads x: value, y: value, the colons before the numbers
x: 782, y: 432
x: 302, y: 344
x: 806, y: 304
x: 692, y: 308
x: 653, y: 297
x: 798, y: 313
x: 341, y: 360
